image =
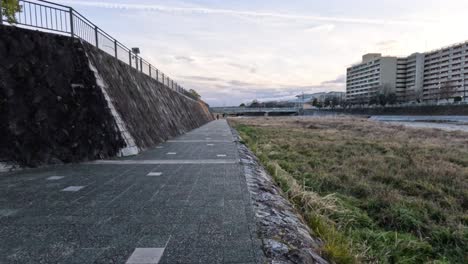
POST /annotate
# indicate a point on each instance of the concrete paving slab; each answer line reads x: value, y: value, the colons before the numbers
x: 199, y: 201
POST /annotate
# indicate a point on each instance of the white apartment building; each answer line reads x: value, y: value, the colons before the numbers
x: 363, y: 80
x: 409, y: 83
x: 418, y: 77
x: 446, y: 65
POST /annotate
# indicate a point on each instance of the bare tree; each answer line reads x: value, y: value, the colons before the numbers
x: 447, y: 90
x: 385, y: 95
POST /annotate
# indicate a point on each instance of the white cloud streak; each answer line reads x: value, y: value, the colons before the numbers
x: 255, y: 14
x: 321, y: 28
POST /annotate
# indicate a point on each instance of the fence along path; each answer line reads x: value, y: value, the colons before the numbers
x: 56, y: 18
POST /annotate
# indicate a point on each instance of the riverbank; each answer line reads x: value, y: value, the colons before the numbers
x: 443, y: 110
x: 374, y: 192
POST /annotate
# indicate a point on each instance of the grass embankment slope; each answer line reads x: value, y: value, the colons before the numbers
x: 373, y: 192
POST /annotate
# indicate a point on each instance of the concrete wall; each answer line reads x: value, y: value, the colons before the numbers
x: 64, y: 101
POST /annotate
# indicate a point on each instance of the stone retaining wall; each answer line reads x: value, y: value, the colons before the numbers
x: 54, y: 110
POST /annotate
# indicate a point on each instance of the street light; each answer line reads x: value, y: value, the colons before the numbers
x: 136, y: 50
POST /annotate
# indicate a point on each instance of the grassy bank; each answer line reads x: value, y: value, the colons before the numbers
x: 372, y: 192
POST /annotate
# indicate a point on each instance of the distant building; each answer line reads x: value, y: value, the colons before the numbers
x: 321, y: 97
x: 418, y: 77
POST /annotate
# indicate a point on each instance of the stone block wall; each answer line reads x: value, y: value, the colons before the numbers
x: 64, y: 101
x: 151, y: 111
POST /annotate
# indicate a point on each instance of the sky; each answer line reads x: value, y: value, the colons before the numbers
x: 232, y: 52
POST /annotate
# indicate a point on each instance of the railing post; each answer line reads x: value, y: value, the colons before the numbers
x: 115, y: 47
x: 72, y: 26
x: 157, y: 75
x: 1, y: 13
x: 96, y: 36
x: 163, y: 81
x: 149, y: 69
x: 136, y: 62
x: 130, y: 58
x: 141, y: 64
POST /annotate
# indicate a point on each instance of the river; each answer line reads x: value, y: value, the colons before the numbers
x: 449, y: 123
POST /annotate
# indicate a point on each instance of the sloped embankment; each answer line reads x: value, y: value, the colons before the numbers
x: 151, y: 111
x: 65, y: 101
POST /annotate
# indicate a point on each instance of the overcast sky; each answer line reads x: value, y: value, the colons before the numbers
x: 236, y: 51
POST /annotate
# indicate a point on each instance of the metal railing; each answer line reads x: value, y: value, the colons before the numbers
x: 234, y: 109
x: 60, y: 19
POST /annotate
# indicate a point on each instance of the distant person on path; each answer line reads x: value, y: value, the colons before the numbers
x: 217, y: 116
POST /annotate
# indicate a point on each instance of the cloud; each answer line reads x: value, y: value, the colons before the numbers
x: 321, y: 28
x: 339, y: 80
x: 201, y: 78
x: 251, y: 69
x: 386, y: 43
x: 221, y: 83
x: 184, y: 59
x: 221, y: 92
x: 239, y: 83
x: 256, y: 14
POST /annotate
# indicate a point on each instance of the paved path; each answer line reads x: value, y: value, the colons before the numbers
x: 185, y: 201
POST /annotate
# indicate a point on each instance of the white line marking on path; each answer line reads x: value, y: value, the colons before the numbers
x: 55, y: 178
x: 72, y: 188
x: 146, y: 256
x: 151, y: 174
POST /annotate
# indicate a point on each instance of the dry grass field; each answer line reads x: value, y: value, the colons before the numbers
x: 374, y: 192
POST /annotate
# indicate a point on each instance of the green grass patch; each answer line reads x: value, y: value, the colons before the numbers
x: 373, y: 194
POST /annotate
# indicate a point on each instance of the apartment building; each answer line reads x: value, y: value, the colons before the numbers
x: 418, y: 77
x: 364, y: 80
x: 446, y: 66
x: 409, y: 83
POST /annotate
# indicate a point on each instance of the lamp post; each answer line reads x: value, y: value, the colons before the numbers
x: 135, y: 51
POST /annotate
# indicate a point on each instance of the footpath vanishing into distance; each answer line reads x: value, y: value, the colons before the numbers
x: 186, y: 201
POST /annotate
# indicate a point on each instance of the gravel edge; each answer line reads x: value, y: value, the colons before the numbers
x: 284, y: 235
